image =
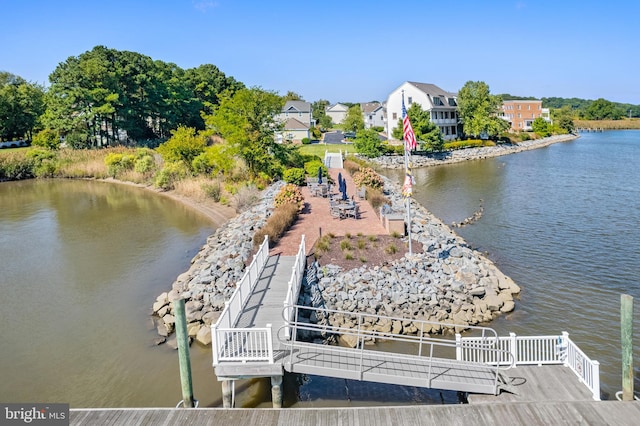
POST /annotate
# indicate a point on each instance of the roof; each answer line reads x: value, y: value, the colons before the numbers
x: 432, y: 89
x: 369, y: 107
x: 293, y: 124
x: 300, y: 106
x: 337, y: 107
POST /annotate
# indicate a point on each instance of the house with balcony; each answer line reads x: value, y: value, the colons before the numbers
x: 442, y: 106
x: 521, y: 113
x: 373, y: 114
x: 297, y: 121
x: 337, y: 112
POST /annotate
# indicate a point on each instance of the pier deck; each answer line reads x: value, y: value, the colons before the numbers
x: 515, y: 413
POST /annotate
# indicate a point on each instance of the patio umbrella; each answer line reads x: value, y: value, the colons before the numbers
x: 343, y: 188
x: 320, y: 174
x: 339, y: 181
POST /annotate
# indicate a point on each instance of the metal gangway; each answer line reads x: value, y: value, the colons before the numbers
x: 263, y: 332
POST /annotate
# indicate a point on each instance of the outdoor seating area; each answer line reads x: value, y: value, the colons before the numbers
x: 343, y: 209
x: 319, y: 189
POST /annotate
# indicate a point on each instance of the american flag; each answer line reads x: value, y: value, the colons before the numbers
x: 409, y: 137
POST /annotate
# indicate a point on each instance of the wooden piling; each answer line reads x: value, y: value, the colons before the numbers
x: 183, y: 353
x: 626, y: 338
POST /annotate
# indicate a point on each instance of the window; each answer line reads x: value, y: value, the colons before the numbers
x: 410, y: 99
x: 519, y: 115
x: 395, y: 116
x: 437, y: 101
x: 529, y: 107
x: 518, y: 106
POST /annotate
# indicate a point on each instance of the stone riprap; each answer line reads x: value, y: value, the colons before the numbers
x: 214, y: 272
x: 448, y: 283
x: 460, y: 155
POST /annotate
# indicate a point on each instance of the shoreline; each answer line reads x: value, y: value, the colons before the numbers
x: 467, y: 154
x: 217, y: 213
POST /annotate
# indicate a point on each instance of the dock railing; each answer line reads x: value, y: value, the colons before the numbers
x: 293, y: 290
x: 361, y: 332
x: 225, y: 340
x: 535, y: 350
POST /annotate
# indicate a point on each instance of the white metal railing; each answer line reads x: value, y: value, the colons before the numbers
x: 535, y: 350
x: 361, y: 330
x: 233, y: 307
x: 293, y: 289
x: 331, y: 157
x: 243, y: 345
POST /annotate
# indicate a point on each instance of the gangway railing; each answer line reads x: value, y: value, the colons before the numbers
x: 361, y: 331
x: 293, y: 289
x: 535, y: 350
x: 226, y: 341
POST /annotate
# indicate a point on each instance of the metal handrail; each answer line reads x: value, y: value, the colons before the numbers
x: 297, y: 272
x: 363, y: 334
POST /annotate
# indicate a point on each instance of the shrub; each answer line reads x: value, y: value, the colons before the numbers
x: 245, y: 197
x: 394, y: 149
x: 144, y: 164
x: 361, y: 244
x: 391, y: 249
x: 183, y: 145
x: 306, y: 141
x: 16, y: 166
x: 377, y: 199
x: 214, y: 159
x: 294, y: 176
x: 348, y: 255
x: 289, y: 194
x: 369, y: 178
x: 322, y: 245
x: 378, y: 128
x: 170, y: 174
x: 282, y: 218
x: 351, y: 167
x: 345, y: 245
x: 117, y: 163
x: 311, y: 168
x: 47, y: 138
x: 213, y: 190
x: 43, y: 162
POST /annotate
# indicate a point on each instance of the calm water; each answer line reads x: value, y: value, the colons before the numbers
x: 562, y: 221
x: 81, y: 263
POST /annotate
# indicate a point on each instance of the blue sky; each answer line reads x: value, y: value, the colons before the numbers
x: 349, y: 50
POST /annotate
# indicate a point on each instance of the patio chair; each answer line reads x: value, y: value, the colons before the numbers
x: 353, y: 212
x: 362, y: 192
x: 335, y: 212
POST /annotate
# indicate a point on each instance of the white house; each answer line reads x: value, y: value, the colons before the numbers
x: 337, y: 112
x: 441, y: 104
x: 373, y: 114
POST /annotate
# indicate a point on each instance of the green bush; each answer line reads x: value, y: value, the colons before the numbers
x: 144, y: 165
x: 294, y: 176
x: 311, y: 168
x: 394, y: 149
x: 306, y: 141
x: 170, y: 174
x: 47, y: 138
x: 117, y: 163
x: 213, y: 190
x: 183, y: 145
x: 378, y: 128
x: 43, y: 162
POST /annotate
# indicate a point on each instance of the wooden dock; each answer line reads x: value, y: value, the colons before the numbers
x: 508, y: 414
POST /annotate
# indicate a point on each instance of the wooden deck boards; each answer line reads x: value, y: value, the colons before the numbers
x: 539, y: 383
x: 515, y: 413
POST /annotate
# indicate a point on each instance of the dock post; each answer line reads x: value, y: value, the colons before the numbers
x: 626, y: 338
x: 276, y: 391
x: 183, y: 353
x: 227, y: 401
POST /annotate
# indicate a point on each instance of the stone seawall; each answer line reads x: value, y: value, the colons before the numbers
x: 214, y: 272
x: 457, y: 156
x: 448, y: 283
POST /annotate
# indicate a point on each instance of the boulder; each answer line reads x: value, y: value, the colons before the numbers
x: 204, y: 336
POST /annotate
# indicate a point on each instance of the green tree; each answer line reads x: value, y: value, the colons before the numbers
x: 478, y: 110
x: 354, y: 120
x: 427, y: 133
x: 602, y: 109
x: 21, y: 105
x: 246, y: 121
x: 563, y: 119
x: 319, y: 112
x: 368, y: 143
x: 541, y: 127
x: 47, y: 138
x: 292, y: 96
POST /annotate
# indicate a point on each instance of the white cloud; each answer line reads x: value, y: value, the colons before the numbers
x: 204, y: 5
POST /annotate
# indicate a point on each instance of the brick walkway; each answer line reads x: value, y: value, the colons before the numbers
x: 316, y: 219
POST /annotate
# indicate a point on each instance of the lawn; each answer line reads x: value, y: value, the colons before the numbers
x: 320, y: 148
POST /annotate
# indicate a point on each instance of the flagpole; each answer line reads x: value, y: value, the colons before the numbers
x: 407, y: 172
